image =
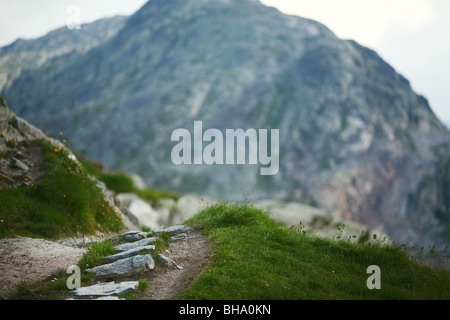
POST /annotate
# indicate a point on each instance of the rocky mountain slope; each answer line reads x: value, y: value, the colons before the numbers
x: 354, y: 137
x: 26, y: 55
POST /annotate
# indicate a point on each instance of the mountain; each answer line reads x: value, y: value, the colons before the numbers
x: 354, y: 138
x: 23, y: 55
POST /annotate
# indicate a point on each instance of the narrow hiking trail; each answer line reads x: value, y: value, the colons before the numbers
x: 30, y: 260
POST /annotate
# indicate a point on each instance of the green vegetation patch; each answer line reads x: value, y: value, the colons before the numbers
x: 52, y: 288
x: 96, y: 253
x: 120, y: 182
x: 64, y: 202
x: 256, y: 258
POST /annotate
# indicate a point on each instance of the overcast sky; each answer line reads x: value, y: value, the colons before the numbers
x: 412, y: 35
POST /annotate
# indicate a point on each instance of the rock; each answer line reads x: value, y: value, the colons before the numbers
x: 141, y: 210
x: 125, y: 267
x: 172, y: 230
x: 109, y: 298
x: 188, y: 206
x: 3, y: 147
x: 132, y: 236
x: 107, y: 289
x: 138, y: 182
x: 181, y: 236
x: 167, y: 209
x: 131, y: 218
x: 133, y: 245
x: 129, y: 253
x: 167, y: 262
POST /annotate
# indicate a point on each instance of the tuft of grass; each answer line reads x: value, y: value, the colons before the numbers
x: 154, y: 195
x: 256, y: 258
x: 163, y: 242
x: 95, y: 254
x: 63, y: 203
x: 120, y: 182
x: 143, y: 285
x: 52, y: 288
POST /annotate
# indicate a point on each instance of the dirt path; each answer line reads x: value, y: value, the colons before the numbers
x: 31, y: 260
x: 193, y: 254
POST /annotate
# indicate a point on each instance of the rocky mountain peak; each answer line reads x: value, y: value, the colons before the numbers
x: 354, y: 137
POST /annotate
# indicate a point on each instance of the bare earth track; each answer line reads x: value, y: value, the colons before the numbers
x: 31, y: 260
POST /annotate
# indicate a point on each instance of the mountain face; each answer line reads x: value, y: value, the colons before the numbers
x: 354, y: 138
x: 23, y: 55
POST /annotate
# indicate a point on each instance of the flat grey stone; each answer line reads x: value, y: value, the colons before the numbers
x: 181, y: 236
x: 129, y: 253
x: 109, y: 298
x: 20, y: 164
x: 125, y: 267
x: 172, y: 230
x: 135, y: 237
x: 128, y: 233
x: 133, y: 245
x: 167, y: 261
x: 131, y: 236
x: 108, y: 289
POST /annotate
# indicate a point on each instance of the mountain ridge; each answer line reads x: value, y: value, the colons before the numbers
x: 354, y: 137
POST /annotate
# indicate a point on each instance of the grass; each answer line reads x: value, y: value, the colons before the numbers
x: 95, y: 254
x: 52, y: 288
x: 120, y: 182
x: 256, y: 259
x: 63, y: 203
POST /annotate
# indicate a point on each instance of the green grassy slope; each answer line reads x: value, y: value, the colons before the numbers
x: 64, y: 202
x: 256, y: 258
x: 120, y: 182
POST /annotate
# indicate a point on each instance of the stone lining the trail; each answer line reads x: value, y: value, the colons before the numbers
x: 132, y: 236
x: 130, y: 253
x: 136, y: 244
x: 172, y: 230
x: 108, y: 289
x: 125, y: 267
x: 134, y: 260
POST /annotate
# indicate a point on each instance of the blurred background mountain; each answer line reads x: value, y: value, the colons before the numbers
x: 355, y: 139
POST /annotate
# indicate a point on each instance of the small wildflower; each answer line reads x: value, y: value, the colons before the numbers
x: 64, y: 195
x: 60, y: 133
x: 333, y: 271
x: 64, y: 141
x: 25, y: 179
x: 267, y: 284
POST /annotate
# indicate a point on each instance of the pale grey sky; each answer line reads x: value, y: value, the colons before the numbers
x: 412, y: 35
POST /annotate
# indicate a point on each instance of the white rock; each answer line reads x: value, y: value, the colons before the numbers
x: 173, y: 230
x: 108, y: 289
x: 136, y: 244
x: 167, y: 261
x: 125, y: 267
x: 129, y: 253
x: 140, y: 209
